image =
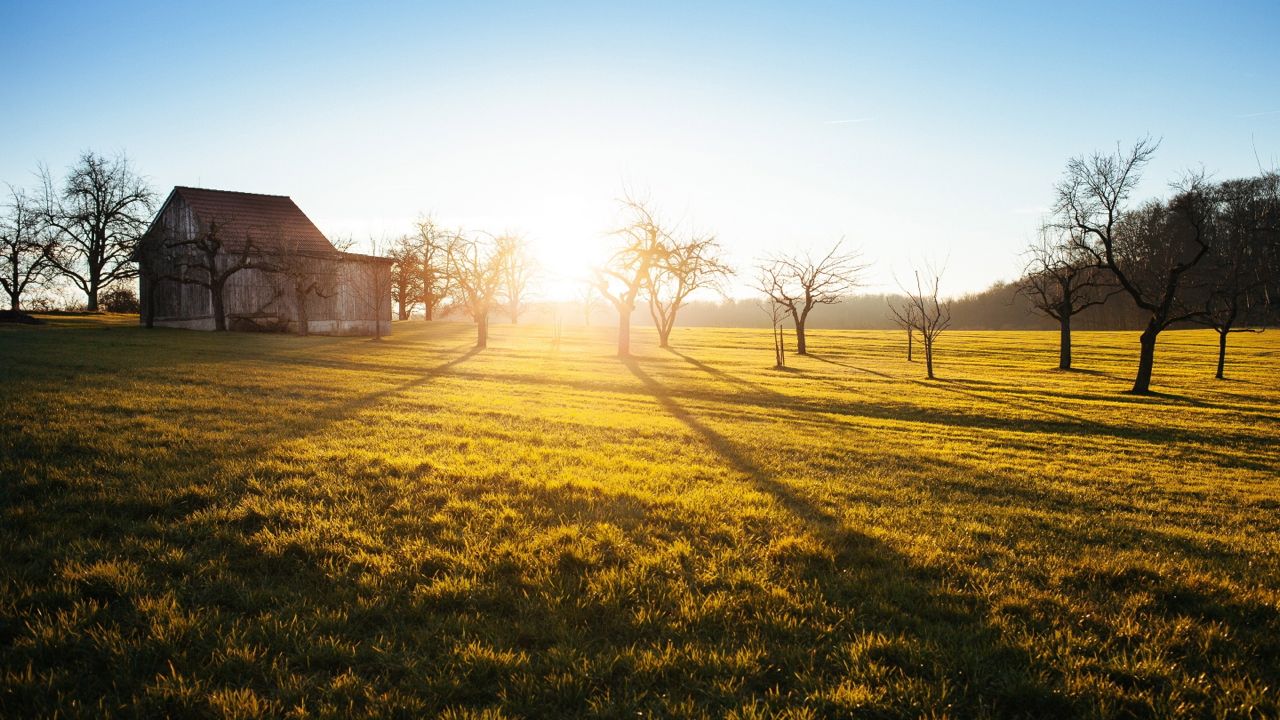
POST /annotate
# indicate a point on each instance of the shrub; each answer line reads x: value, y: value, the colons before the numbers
x: 119, y: 300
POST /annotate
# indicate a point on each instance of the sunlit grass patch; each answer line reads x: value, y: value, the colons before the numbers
x: 252, y: 525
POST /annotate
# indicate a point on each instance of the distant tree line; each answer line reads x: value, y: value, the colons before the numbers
x: 999, y: 307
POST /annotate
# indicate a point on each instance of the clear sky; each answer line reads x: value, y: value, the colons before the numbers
x: 917, y: 131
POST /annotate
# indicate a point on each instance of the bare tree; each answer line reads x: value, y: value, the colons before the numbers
x: 476, y: 266
x: 209, y: 259
x: 904, y: 316
x: 99, y: 213
x: 777, y: 315
x: 406, y: 275
x: 341, y: 243
x: 924, y: 312
x: 25, y: 243
x: 433, y: 264
x: 625, y: 273
x: 371, y: 283
x: 302, y: 274
x: 684, y: 267
x: 1235, y: 276
x: 518, y: 271
x: 1148, y: 251
x: 1062, y: 281
x: 799, y: 283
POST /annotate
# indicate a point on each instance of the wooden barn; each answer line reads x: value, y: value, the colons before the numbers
x: 216, y: 259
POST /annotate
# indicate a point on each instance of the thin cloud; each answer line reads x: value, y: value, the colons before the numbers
x: 1259, y: 114
x: 847, y: 122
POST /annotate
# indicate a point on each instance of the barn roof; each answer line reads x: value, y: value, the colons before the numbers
x: 265, y: 218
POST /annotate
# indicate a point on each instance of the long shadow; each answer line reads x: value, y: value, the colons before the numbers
x: 171, y: 521
x: 310, y: 623
x: 160, y: 349
x: 905, y: 412
x: 932, y: 611
x: 804, y: 413
x: 725, y: 448
x: 946, y: 385
x: 719, y: 374
x: 1151, y: 398
x: 829, y: 361
x: 888, y: 593
x: 802, y: 507
x: 1077, y: 424
x: 1086, y: 371
x: 423, y: 377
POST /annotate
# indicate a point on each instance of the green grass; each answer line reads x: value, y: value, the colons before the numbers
x: 251, y: 525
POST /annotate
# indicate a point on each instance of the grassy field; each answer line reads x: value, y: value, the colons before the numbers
x: 252, y: 525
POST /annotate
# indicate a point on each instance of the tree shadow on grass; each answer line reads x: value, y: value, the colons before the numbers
x: 719, y: 374
x: 1092, y: 373
x: 948, y: 385
x: 829, y: 361
x: 1149, y: 399
x: 111, y: 546
x: 949, y: 642
x: 811, y: 410
x: 889, y: 591
x: 316, y: 622
x: 354, y: 405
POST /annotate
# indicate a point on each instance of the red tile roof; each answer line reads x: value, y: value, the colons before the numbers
x: 265, y: 218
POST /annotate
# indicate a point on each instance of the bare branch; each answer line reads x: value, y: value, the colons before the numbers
x: 98, y: 216
x: 799, y: 283
x: 924, y: 312
x: 476, y: 264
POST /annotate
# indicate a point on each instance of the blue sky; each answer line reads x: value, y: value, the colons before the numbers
x: 917, y: 131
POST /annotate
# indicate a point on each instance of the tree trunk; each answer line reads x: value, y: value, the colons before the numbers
x: 1064, y: 341
x: 1222, y: 351
x: 304, y: 324
x: 12, y: 289
x: 1146, y: 359
x: 482, y: 332
x: 428, y: 310
x: 97, y: 249
x: 664, y: 336
x: 219, y: 319
x: 910, y: 342
x: 624, y: 333
x: 928, y: 358
x: 800, y: 344
x: 403, y: 313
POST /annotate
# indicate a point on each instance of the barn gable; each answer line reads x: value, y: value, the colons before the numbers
x: 265, y: 218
